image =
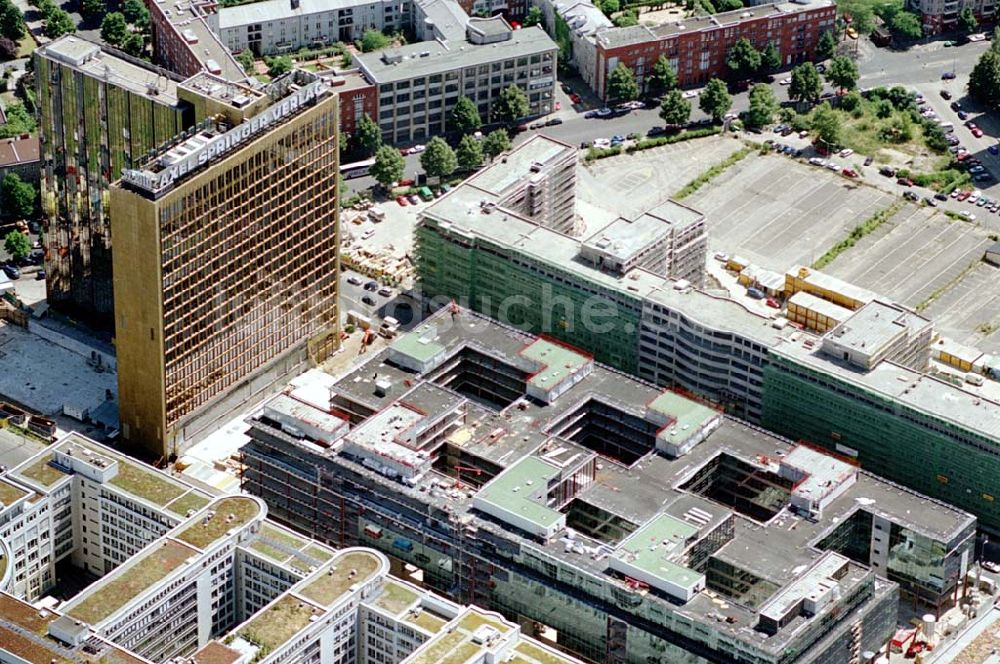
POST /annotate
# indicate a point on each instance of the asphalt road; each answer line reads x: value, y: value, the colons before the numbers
x: 878, y: 67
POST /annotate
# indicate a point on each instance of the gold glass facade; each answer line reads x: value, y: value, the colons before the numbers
x: 247, y: 269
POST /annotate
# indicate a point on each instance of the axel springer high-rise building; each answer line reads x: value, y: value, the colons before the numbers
x: 226, y: 260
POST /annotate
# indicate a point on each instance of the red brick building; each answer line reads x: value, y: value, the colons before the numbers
x: 357, y: 98
x: 697, y: 47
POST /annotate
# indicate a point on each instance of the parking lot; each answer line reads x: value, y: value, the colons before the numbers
x: 969, y: 311
x: 777, y: 212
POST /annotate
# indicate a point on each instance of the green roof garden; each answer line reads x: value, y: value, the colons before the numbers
x: 318, y: 552
x: 111, y: 593
x: 558, y: 362
x: 395, y: 598
x: 473, y: 620
x: 42, y: 472
x: 221, y: 516
x: 650, y: 548
x: 189, y: 501
x: 427, y: 620
x: 521, y: 490
x: 687, y: 413
x: 150, y: 485
x: 346, y: 570
x: 418, y: 344
x: 535, y: 655
x: 278, y: 622
x: 10, y: 493
x: 456, y: 646
x: 435, y: 650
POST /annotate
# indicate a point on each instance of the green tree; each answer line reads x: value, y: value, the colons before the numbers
x: 609, y: 7
x: 19, y: 121
x: 465, y: 116
x: 17, y: 243
x: 93, y: 8
x: 934, y: 137
x: 511, y: 105
x: 763, y: 105
x: 19, y: 197
x: 806, y: 84
x: 373, y: 40
x: 8, y: 49
x: 883, y: 109
x: 11, y: 21
x: 826, y: 46
x: 664, y: 78
x: 367, y: 135
x: 728, y: 5
x: 438, y: 160
x: 851, y: 101
x: 621, y: 84
x: 770, y: 57
x: 826, y: 123
x: 388, y: 166
x: 743, y: 59
x: 626, y: 19
x: 907, y: 25
x: 496, y: 142
x: 114, y: 29
x: 469, y: 153
x: 842, y: 73
x: 533, y: 17
x: 967, y: 20
x: 134, y: 44
x: 278, y: 65
x: 58, y: 23
x: 247, y: 61
x: 136, y: 13
x: 715, y: 100
x: 984, y: 81
x: 675, y: 109
x: 864, y: 18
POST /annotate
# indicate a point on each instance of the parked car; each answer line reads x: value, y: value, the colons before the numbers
x: 40, y: 275
x: 911, y: 196
x: 553, y: 122
x: 868, y: 160
x: 771, y: 302
x: 846, y: 152
x: 977, y: 132
x: 947, y: 76
x: 906, y: 182
x: 656, y: 131
x: 946, y: 94
x: 369, y: 300
x: 11, y: 271
x: 940, y: 196
x: 887, y: 171
x: 537, y: 125
x: 962, y: 115
x: 604, y: 112
x: 371, y: 286
x: 575, y: 98
x: 850, y: 172
x: 413, y: 198
x: 930, y: 201
x: 368, y: 233
x: 785, y: 81
x: 590, y: 114
x: 688, y: 94
x: 955, y: 106
x: 968, y: 215
x: 993, y: 149
x: 354, y: 280
x: 385, y: 291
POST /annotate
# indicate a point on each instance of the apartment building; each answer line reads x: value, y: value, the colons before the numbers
x: 939, y: 16
x: 186, y: 574
x: 419, y: 84
x: 280, y: 26
x: 522, y: 476
x: 696, y: 46
x: 229, y: 262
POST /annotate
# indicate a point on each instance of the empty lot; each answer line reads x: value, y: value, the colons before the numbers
x: 631, y: 184
x: 777, y: 212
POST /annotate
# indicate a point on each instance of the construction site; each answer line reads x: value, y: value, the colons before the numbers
x: 610, y: 518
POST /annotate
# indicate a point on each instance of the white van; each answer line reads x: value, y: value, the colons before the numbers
x: 946, y: 126
x: 974, y: 379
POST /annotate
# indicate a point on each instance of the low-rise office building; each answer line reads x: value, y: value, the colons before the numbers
x: 519, y: 474
x: 186, y: 574
x: 419, y: 84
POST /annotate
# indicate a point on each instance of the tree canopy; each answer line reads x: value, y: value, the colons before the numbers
x: 438, y: 160
x: 770, y: 57
x: 621, y: 84
x: 469, y: 154
x: 984, y: 81
x: 114, y: 29
x: 842, y: 73
x: 19, y: 197
x: 743, y: 59
x: 278, y: 65
x: 664, y: 78
x: 826, y: 46
x: 675, y: 109
x: 465, y: 116
x: 373, y: 40
x: 826, y: 123
x: 11, y: 21
x: 763, y: 105
x: 806, y: 84
x: 17, y: 243
x: 93, y: 9
x: 511, y: 105
x: 715, y: 100
x: 496, y: 142
x: 967, y: 19
x: 533, y: 17
x: 388, y: 166
x: 907, y: 25
x: 367, y: 135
